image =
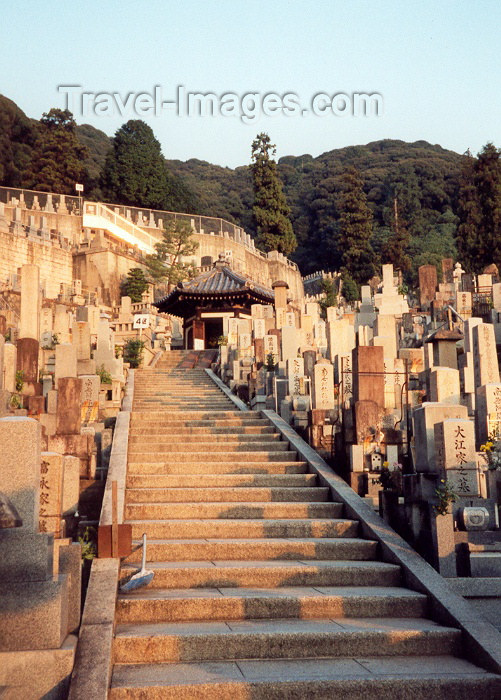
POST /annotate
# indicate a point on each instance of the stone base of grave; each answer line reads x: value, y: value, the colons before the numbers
x: 38, y: 674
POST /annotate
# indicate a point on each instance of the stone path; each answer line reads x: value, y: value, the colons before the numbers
x: 262, y: 588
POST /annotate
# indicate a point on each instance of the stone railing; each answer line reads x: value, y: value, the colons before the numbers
x: 40, y: 201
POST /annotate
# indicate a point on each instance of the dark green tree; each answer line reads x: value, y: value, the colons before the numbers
x: 17, y: 137
x: 271, y: 211
x: 469, y: 215
x: 396, y: 248
x: 167, y: 263
x: 134, y: 285
x: 479, y: 231
x: 134, y: 171
x: 57, y: 161
x: 355, y: 228
x: 329, y: 297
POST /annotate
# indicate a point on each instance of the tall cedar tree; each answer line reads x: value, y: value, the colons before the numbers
x: 134, y: 285
x: 57, y: 161
x: 271, y: 211
x: 396, y: 247
x: 479, y: 232
x: 167, y: 263
x: 355, y: 228
x: 469, y: 215
x: 134, y: 172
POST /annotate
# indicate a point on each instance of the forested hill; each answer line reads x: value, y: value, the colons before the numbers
x: 423, y: 177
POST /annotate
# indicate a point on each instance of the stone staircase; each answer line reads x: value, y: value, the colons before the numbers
x: 262, y: 588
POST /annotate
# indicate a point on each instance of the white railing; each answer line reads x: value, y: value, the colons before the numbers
x: 97, y: 216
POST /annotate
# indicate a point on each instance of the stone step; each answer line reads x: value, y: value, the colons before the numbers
x: 289, y: 639
x: 412, y: 677
x: 145, y: 606
x: 163, y: 442
x: 210, y: 455
x: 232, y: 509
x: 250, y: 529
x: 270, y: 574
x: 167, y: 481
x: 217, y: 449
x: 165, y: 416
x: 209, y: 430
x: 158, y: 424
x: 234, y: 467
x: 221, y: 494
x: 344, y: 548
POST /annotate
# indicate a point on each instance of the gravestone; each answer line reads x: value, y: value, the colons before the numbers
x: 291, y: 340
x: 81, y: 339
x: 444, y: 385
x: 51, y: 493
x: 486, y: 366
x: 27, y: 362
x: 66, y: 361
x: 424, y: 418
x: 427, y: 285
x: 368, y: 374
x: 295, y: 372
x: 323, y: 386
x: 455, y: 456
x: 29, y: 325
x: 488, y: 412
x: 68, y: 413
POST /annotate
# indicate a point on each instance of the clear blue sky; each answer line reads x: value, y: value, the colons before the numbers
x: 435, y: 62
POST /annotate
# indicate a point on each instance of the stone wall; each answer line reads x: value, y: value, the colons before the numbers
x: 17, y: 249
x: 101, y: 271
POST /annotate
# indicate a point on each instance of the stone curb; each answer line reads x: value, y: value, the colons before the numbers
x: 482, y: 642
x: 238, y: 403
x: 117, y: 470
x: 91, y: 677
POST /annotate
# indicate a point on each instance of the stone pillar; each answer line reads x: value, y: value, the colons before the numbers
x: 29, y: 326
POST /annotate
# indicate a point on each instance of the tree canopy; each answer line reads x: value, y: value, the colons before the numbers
x: 271, y: 211
x: 135, y: 172
x: 134, y: 285
x: 355, y: 228
x: 57, y: 159
x: 167, y: 263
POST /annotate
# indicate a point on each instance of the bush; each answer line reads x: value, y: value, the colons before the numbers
x: 104, y: 375
x: 133, y: 352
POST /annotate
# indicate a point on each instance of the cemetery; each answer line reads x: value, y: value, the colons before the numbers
x: 298, y: 470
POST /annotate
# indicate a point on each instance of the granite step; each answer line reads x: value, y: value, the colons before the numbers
x: 229, y: 509
x: 270, y: 574
x: 171, y: 431
x: 188, y: 439
x: 217, y: 494
x: 347, y: 549
x: 227, y: 451
x: 186, y: 605
x: 277, y: 454
x: 250, y: 529
x: 230, y: 467
x: 283, y: 639
x: 167, y: 481
x: 357, y: 678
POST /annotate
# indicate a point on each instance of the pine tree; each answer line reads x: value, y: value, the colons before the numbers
x: 271, y: 211
x: 355, y: 228
x: 167, y: 263
x: 57, y: 161
x: 134, y: 285
x: 397, y: 245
